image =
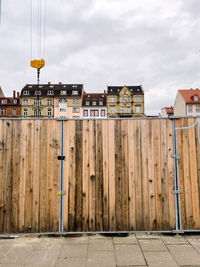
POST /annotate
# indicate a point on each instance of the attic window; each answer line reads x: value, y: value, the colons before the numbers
x: 87, y: 103
x: 138, y: 89
x: 51, y: 86
x: 74, y: 92
x: 63, y: 92
x: 30, y: 86
x: 196, y: 98
x: 50, y: 92
x: 37, y: 92
x: 74, y: 85
x: 64, y: 86
x: 40, y: 86
x: 26, y: 93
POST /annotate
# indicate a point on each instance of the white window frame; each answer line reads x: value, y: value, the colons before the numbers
x: 25, y: 102
x: 138, y: 99
x: 85, y: 113
x: 25, y: 112
x: 196, y: 98
x: 26, y: 93
x: 37, y: 92
x: 112, y: 110
x: 137, y: 110
x: 14, y: 111
x: 63, y: 92
x: 4, y: 101
x: 74, y: 92
x: 190, y: 108
x: 50, y: 92
x: 49, y: 102
x: 100, y: 103
x: 49, y: 112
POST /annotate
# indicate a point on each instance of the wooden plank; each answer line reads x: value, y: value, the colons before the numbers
x: 193, y: 175
x: 23, y: 166
x: 43, y: 175
x: 111, y: 173
x: 72, y: 175
x: 144, y: 175
x: 99, y: 177
x: 197, y: 138
x: 118, y: 175
x: 79, y: 174
x: 92, y: 174
x: 28, y: 178
x: 85, y: 175
x: 187, y: 181
x: 1, y: 174
x: 131, y: 174
x: 125, y: 201
x: 170, y: 174
x: 36, y: 189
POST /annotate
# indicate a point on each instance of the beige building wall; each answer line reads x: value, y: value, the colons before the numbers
x: 179, y: 106
x: 70, y: 109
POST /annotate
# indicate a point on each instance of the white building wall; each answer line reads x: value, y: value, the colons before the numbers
x: 179, y: 105
x: 89, y: 109
x: 192, y: 112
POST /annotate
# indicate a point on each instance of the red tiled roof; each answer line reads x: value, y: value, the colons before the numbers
x: 188, y: 95
x: 169, y: 110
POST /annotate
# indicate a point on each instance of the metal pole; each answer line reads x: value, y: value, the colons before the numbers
x: 175, y: 174
x: 61, y: 177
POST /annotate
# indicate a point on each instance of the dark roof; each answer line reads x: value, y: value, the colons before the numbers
x: 97, y: 97
x: 10, y: 101
x: 136, y: 90
x: 57, y: 88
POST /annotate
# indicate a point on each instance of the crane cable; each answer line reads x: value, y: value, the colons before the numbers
x: 40, y: 33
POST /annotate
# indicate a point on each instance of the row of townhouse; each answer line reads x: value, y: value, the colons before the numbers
x: 70, y: 101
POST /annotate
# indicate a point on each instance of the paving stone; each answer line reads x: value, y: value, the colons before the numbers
x: 184, y: 254
x: 73, y: 251
x: 100, y: 244
x: 129, y: 255
x: 152, y: 245
x: 147, y: 236
x: 72, y: 262
x: 125, y: 240
x: 173, y: 240
x: 195, y: 243
x: 98, y: 236
x: 101, y: 259
x: 159, y: 259
x: 44, y: 257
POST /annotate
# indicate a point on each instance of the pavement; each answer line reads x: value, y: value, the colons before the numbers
x: 152, y: 250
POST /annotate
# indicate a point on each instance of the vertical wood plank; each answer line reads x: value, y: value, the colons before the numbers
x: 2, y: 144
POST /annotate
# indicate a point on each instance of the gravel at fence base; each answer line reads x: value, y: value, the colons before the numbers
x: 152, y: 250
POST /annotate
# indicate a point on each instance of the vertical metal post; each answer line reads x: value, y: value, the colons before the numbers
x: 61, y: 177
x: 175, y: 174
x: 177, y: 181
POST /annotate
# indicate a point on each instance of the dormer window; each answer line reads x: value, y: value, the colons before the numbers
x: 94, y: 103
x: 101, y: 103
x: 40, y: 86
x: 30, y: 86
x: 26, y: 93
x: 50, y: 92
x: 196, y: 98
x: 87, y: 103
x: 51, y: 86
x: 74, y: 92
x: 4, y: 101
x: 37, y: 92
x: 63, y: 92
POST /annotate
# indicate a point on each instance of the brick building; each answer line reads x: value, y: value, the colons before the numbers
x: 10, y: 106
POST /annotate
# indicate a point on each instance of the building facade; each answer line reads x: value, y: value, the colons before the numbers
x: 125, y: 101
x: 10, y: 106
x: 94, y: 106
x: 167, y: 111
x: 187, y: 103
x: 51, y: 100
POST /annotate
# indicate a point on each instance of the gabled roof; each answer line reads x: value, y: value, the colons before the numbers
x: 57, y: 88
x: 94, y: 97
x: 113, y: 90
x: 188, y: 95
x: 1, y: 92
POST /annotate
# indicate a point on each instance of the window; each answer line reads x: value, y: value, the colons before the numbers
x: 37, y: 102
x: 92, y: 113
x: 138, y: 99
x: 5, y: 111
x: 100, y: 103
x: 75, y: 101
x: 63, y: 92
x: 63, y: 117
x: 26, y: 93
x: 14, y: 112
x: 3, y: 101
x: 49, y: 112
x: 197, y: 108
x: 74, y: 92
x: 50, y: 92
x: 2, y: 111
x: 62, y: 109
x: 189, y: 108
x: 25, y: 102
x: 112, y: 99
x: 112, y: 110
x: 121, y: 110
x: 51, y: 86
x: 62, y: 100
x: 49, y: 102
x: 37, y: 92
x: 85, y: 113
x: 87, y: 103
x: 137, y: 109
x: 196, y: 98
x: 25, y: 112
x: 103, y: 113
x: 15, y: 101
x: 30, y: 86
x: 124, y: 99
x: 96, y: 113
x: 37, y: 112
x: 75, y: 110
x: 128, y: 110
x: 94, y: 103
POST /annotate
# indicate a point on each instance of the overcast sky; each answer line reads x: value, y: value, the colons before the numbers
x: 155, y: 43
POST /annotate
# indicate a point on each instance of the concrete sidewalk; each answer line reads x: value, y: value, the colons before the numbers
x: 153, y: 250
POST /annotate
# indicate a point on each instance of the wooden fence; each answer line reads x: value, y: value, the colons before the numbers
x: 118, y: 175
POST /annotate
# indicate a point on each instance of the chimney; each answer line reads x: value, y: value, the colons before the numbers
x: 104, y: 92
x: 14, y: 94
x: 17, y: 94
x: 49, y: 83
x: 60, y: 82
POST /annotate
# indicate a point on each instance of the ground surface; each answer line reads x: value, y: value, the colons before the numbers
x: 151, y: 250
